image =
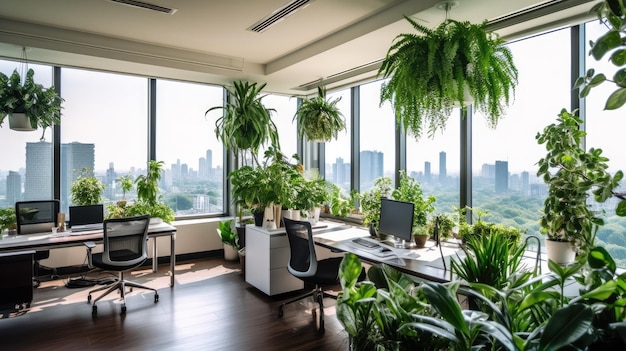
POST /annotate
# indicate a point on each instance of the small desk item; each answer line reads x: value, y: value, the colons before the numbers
x: 365, y: 243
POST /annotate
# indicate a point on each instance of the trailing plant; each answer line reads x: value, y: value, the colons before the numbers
x: 86, y: 189
x: 572, y: 175
x: 41, y: 105
x: 319, y: 119
x: 246, y: 123
x: 227, y: 234
x: 429, y: 71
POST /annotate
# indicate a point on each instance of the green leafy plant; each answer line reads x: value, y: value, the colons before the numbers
x: 612, y: 13
x: 246, y: 123
x: 227, y: 234
x: 7, y: 219
x: 42, y: 106
x: 572, y: 175
x: 429, y: 71
x: 148, y: 196
x: 340, y: 204
x: 370, y: 200
x: 319, y: 119
x: 409, y: 190
x: 87, y: 189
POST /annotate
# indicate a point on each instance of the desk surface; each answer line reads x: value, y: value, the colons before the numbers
x: 12, y: 243
x: 426, y: 263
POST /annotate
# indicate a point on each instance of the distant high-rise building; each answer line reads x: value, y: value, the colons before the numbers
x: 14, y: 188
x: 176, y: 170
x: 110, y: 181
x: 184, y: 171
x: 338, y: 171
x: 525, y: 182
x: 443, y: 171
x: 427, y: 171
x: 203, y: 171
x: 76, y: 158
x: 209, y: 163
x: 371, y: 166
x: 502, y: 176
x: 488, y: 171
x: 38, y: 174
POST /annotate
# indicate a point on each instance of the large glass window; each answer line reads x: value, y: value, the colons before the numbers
x: 26, y: 162
x: 104, y: 129
x: 504, y: 159
x: 377, y: 137
x: 602, y: 133
x: 435, y: 163
x: 186, y: 142
x: 285, y: 108
x: 337, y: 152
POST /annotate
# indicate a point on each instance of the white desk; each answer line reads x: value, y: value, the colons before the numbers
x: 47, y: 241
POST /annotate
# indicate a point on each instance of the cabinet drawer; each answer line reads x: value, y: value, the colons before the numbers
x: 279, y: 257
x: 279, y: 240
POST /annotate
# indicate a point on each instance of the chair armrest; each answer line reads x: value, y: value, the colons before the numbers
x: 89, y: 245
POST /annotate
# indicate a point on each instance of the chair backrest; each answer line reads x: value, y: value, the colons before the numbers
x: 125, y: 240
x: 302, y: 258
x: 36, y: 216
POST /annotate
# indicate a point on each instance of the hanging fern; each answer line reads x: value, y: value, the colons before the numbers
x: 430, y: 70
x: 320, y: 119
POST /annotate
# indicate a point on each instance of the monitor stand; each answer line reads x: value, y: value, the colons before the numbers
x: 402, y: 244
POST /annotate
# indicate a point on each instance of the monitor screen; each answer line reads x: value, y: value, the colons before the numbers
x: 36, y: 216
x: 396, y: 218
x: 87, y: 214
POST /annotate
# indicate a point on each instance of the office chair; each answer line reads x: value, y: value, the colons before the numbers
x: 37, y: 216
x: 303, y: 264
x: 125, y: 248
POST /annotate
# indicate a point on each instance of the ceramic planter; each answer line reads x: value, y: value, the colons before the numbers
x: 19, y: 122
x: 561, y: 252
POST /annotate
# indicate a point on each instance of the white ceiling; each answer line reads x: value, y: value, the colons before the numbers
x: 336, y: 41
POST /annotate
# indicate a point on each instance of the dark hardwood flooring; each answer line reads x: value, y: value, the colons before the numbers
x: 210, y: 308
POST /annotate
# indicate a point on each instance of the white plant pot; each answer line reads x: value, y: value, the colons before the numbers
x: 230, y: 253
x: 156, y: 220
x: 295, y: 215
x: 561, y: 252
x: 286, y: 214
x: 19, y: 122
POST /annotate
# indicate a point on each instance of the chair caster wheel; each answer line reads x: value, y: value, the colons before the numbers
x: 123, y: 309
x: 94, y: 310
x: 280, y: 312
x: 88, y: 298
x: 156, y: 298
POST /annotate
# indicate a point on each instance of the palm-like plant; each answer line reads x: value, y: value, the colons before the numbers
x: 246, y: 124
x: 429, y: 72
x: 320, y: 119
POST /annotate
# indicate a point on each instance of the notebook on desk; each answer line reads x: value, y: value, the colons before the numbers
x: 86, y: 218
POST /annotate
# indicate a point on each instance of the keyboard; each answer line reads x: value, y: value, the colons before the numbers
x: 365, y: 243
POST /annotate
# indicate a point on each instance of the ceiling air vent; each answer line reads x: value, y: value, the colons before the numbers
x: 278, y: 15
x: 145, y: 5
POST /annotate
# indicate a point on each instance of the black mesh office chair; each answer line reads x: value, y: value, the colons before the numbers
x: 303, y: 264
x: 125, y: 248
x: 37, y: 216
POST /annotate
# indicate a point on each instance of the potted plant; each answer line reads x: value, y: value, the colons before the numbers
x: 430, y: 71
x: 246, y: 123
x: 319, y: 119
x: 29, y: 105
x: 409, y: 190
x: 86, y: 189
x: 148, y: 197
x: 230, y: 239
x: 7, y: 220
x: 572, y: 175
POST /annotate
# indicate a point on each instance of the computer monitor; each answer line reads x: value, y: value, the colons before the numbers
x: 36, y: 216
x: 86, y: 214
x: 396, y: 218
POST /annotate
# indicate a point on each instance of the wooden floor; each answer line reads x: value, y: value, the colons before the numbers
x: 210, y: 308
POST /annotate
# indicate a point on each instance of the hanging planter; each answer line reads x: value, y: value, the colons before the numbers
x: 320, y: 120
x: 19, y: 121
x: 434, y: 70
x: 40, y: 106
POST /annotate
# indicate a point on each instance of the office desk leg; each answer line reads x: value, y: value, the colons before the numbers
x: 155, y: 258
x: 172, y: 259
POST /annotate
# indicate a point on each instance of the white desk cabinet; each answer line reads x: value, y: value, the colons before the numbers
x: 267, y: 254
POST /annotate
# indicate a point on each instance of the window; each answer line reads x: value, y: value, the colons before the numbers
x: 26, y: 163
x: 186, y: 142
x: 337, y: 152
x: 104, y: 129
x: 377, y: 137
x: 435, y: 163
x: 285, y: 107
x: 504, y: 159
